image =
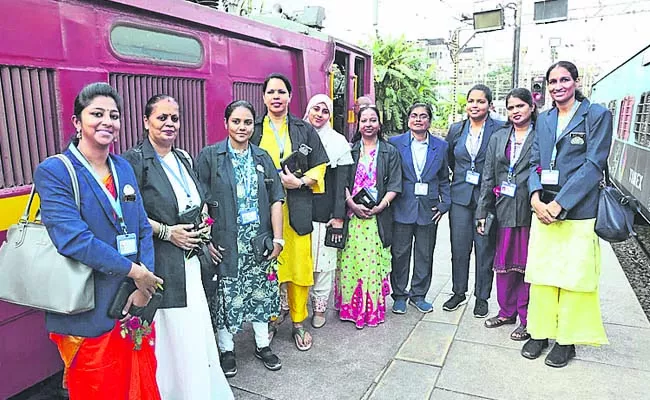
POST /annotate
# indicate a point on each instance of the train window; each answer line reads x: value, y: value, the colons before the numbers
x: 642, y: 121
x: 28, y: 129
x: 137, y: 89
x: 360, y: 72
x: 155, y: 45
x: 251, y: 92
x: 625, y: 118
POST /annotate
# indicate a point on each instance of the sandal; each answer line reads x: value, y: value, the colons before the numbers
x: 299, y: 333
x: 272, y: 331
x: 497, y: 321
x: 520, y: 334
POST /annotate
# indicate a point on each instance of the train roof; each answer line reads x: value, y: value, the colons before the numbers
x: 622, y: 64
x: 267, y: 29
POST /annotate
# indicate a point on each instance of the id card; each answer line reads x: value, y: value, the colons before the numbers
x: 421, y: 189
x: 508, y: 189
x: 472, y: 177
x: 550, y: 177
x: 248, y: 216
x: 127, y: 244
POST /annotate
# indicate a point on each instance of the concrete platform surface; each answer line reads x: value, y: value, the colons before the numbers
x: 451, y: 355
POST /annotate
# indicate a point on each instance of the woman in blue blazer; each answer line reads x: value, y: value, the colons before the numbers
x: 97, y: 358
x: 425, y: 198
x: 468, y: 141
x: 568, y: 157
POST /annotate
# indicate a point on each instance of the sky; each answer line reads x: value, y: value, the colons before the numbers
x: 616, y: 38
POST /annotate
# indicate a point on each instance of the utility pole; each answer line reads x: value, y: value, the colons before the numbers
x: 517, y: 45
x: 375, y: 22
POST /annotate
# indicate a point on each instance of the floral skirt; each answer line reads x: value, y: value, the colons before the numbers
x: 362, y: 276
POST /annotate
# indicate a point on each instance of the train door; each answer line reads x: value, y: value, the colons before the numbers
x: 340, y: 91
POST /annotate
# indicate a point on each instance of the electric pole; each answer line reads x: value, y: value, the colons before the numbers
x: 517, y: 45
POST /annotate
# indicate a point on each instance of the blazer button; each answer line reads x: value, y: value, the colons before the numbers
x: 110, y: 272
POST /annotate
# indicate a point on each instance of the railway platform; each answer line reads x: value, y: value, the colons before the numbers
x: 450, y: 355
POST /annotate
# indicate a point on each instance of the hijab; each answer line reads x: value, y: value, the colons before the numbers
x: 336, y: 146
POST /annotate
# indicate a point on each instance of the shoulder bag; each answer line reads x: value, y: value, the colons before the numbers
x: 34, y: 274
x: 615, y: 215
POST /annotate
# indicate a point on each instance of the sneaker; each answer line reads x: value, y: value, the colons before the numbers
x: 560, y: 355
x: 270, y: 360
x: 228, y: 364
x: 533, y: 348
x: 422, y: 306
x: 454, y: 302
x: 481, y: 308
x: 399, y: 306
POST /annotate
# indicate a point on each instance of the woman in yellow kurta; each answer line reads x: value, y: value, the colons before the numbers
x: 282, y: 134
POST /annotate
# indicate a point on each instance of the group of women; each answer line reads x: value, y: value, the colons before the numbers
x: 239, y: 234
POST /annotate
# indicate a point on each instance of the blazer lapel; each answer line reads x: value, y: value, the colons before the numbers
x: 577, y: 118
x: 101, y: 196
x: 487, y: 133
x: 432, y: 154
x: 527, y: 143
x: 407, y: 155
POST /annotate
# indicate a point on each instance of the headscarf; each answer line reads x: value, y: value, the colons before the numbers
x: 336, y: 146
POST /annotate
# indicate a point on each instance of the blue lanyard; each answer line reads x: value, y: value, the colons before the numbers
x: 247, y: 179
x: 558, y: 130
x: 114, y: 201
x: 513, y: 156
x: 281, y: 142
x: 182, y: 180
x: 475, y: 147
x: 419, y: 163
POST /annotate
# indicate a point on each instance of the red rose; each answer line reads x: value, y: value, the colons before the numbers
x: 133, y: 323
x: 208, y: 221
x: 539, y: 170
x: 497, y: 191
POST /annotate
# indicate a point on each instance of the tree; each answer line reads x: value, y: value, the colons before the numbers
x: 401, y: 79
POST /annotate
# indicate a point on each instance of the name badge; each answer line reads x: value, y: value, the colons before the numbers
x: 421, y: 189
x: 550, y: 177
x: 508, y: 189
x: 248, y: 216
x: 472, y: 177
x: 127, y: 244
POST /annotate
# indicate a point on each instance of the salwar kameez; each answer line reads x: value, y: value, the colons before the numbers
x: 509, y: 266
x: 563, y: 270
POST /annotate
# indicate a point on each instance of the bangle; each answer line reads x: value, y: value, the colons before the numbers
x: 161, y: 230
x: 387, y: 202
x: 279, y: 241
x: 164, y: 233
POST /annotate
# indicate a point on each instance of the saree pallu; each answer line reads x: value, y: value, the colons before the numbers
x: 107, y: 367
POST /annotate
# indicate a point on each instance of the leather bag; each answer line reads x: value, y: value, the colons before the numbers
x: 615, y: 213
x: 34, y: 274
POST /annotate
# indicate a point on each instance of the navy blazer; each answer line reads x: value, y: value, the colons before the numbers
x: 581, y: 157
x: 460, y: 162
x: 89, y: 236
x: 409, y: 208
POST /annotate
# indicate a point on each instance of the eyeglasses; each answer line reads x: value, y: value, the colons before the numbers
x: 421, y: 117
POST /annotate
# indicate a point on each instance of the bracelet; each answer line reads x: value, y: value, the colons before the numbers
x: 387, y: 202
x: 279, y: 241
x: 164, y: 233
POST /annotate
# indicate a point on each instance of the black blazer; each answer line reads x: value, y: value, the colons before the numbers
x: 161, y: 205
x: 389, y: 179
x: 510, y: 212
x: 217, y: 177
x: 299, y: 201
x: 581, y: 157
x: 464, y: 193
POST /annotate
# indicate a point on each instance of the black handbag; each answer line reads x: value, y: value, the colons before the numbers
x: 262, y: 245
x: 145, y: 313
x: 616, y: 212
x: 364, y: 198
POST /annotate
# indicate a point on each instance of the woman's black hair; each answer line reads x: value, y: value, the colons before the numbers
x: 148, y: 108
x: 524, y: 95
x: 236, y: 104
x: 380, y: 134
x: 426, y: 106
x: 573, y: 71
x: 277, y: 75
x: 88, y: 94
x: 486, y: 91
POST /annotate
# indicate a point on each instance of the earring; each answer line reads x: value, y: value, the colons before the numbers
x: 79, y: 134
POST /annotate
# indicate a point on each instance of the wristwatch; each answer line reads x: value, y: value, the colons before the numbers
x: 279, y: 241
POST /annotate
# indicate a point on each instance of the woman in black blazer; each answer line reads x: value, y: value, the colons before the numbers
x: 504, y: 195
x: 468, y: 142
x: 569, y: 155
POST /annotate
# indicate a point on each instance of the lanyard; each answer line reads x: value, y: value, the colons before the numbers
x: 474, y: 146
x: 419, y: 162
x: 246, y: 156
x: 280, y: 141
x: 560, y: 128
x: 372, y: 166
x: 115, y: 202
x: 182, y: 180
x: 514, y: 155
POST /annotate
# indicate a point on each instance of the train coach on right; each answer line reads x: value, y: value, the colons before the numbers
x: 569, y: 155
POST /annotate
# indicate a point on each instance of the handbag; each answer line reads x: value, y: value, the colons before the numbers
x: 145, y: 313
x: 364, y: 198
x: 616, y: 212
x: 35, y: 274
x: 262, y: 245
x: 330, y: 232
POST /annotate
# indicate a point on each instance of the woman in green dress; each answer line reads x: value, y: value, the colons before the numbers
x: 244, y: 197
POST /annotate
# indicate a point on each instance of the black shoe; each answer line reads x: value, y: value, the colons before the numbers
x: 560, y: 355
x: 533, y: 348
x: 228, y: 364
x: 481, y: 308
x: 454, y: 302
x: 270, y: 360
